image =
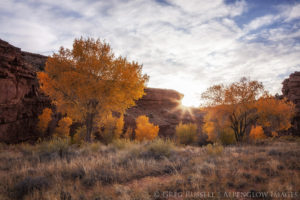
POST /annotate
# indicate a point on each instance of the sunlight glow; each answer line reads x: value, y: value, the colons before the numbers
x: 190, y: 101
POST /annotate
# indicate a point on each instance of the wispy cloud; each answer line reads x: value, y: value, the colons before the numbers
x: 183, y: 45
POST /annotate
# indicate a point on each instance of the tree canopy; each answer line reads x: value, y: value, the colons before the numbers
x: 243, y: 104
x: 88, y: 82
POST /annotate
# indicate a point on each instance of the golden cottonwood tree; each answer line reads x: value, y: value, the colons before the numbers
x: 88, y: 81
x: 275, y: 114
x: 241, y: 105
x: 144, y: 129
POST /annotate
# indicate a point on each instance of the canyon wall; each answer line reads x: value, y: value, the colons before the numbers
x: 20, y: 99
x: 291, y: 90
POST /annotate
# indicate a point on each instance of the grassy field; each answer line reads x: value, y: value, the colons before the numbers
x: 160, y: 169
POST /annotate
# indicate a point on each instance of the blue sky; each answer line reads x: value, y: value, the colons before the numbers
x: 183, y: 45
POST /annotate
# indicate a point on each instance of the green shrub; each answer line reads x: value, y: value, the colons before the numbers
x: 78, y: 137
x: 122, y: 143
x: 186, y: 133
x: 158, y: 148
x: 95, y: 146
x: 54, y: 145
x: 227, y: 137
x: 215, y: 149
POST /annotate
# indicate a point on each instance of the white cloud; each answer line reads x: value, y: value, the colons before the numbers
x: 294, y: 12
x: 185, y: 45
x: 260, y: 22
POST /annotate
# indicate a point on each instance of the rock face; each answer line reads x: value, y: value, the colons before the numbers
x: 37, y: 61
x: 291, y: 90
x: 20, y: 100
x: 163, y: 107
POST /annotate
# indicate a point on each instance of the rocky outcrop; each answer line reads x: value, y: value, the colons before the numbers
x: 36, y: 61
x: 291, y: 90
x: 20, y: 99
x: 163, y: 107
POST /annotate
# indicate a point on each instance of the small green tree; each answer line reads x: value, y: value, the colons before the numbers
x: 112, y: 128
x: 186, y: 133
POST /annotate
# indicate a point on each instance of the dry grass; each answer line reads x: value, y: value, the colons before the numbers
x: 155, y: 170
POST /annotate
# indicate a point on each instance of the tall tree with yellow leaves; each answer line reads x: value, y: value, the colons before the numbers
x: 241, y: 105
x: 88, y: 82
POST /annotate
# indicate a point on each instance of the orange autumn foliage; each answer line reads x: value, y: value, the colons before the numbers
x: 88, y: 82
x: 242, y: 104
x: 232, y: 106
x: 44, y: 120
x: 257, y: 133
x: 144, y: 129
x: 63, y: 128
x: 275, y: 113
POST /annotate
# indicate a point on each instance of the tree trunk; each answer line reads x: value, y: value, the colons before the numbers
x: 89, y: 127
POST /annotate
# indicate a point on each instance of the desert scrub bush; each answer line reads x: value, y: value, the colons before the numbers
x: 77, y: 172
x: 26, y: 149
x: 63, y: 128
x: 215, y: 149
x: 186, y: 133
x: 290, y: 138
x: 44, y: 120
x: 158, y: 149
x: 28, y: 186
x: 55, y: 145
x: 90, y: 147
x: 227, y: 137
x: 144, y: 129
x: 122, y: 143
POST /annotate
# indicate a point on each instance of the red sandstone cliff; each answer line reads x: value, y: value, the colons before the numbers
x: 163, y: 107
x: 20, y: 100
x: 291, y: 90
